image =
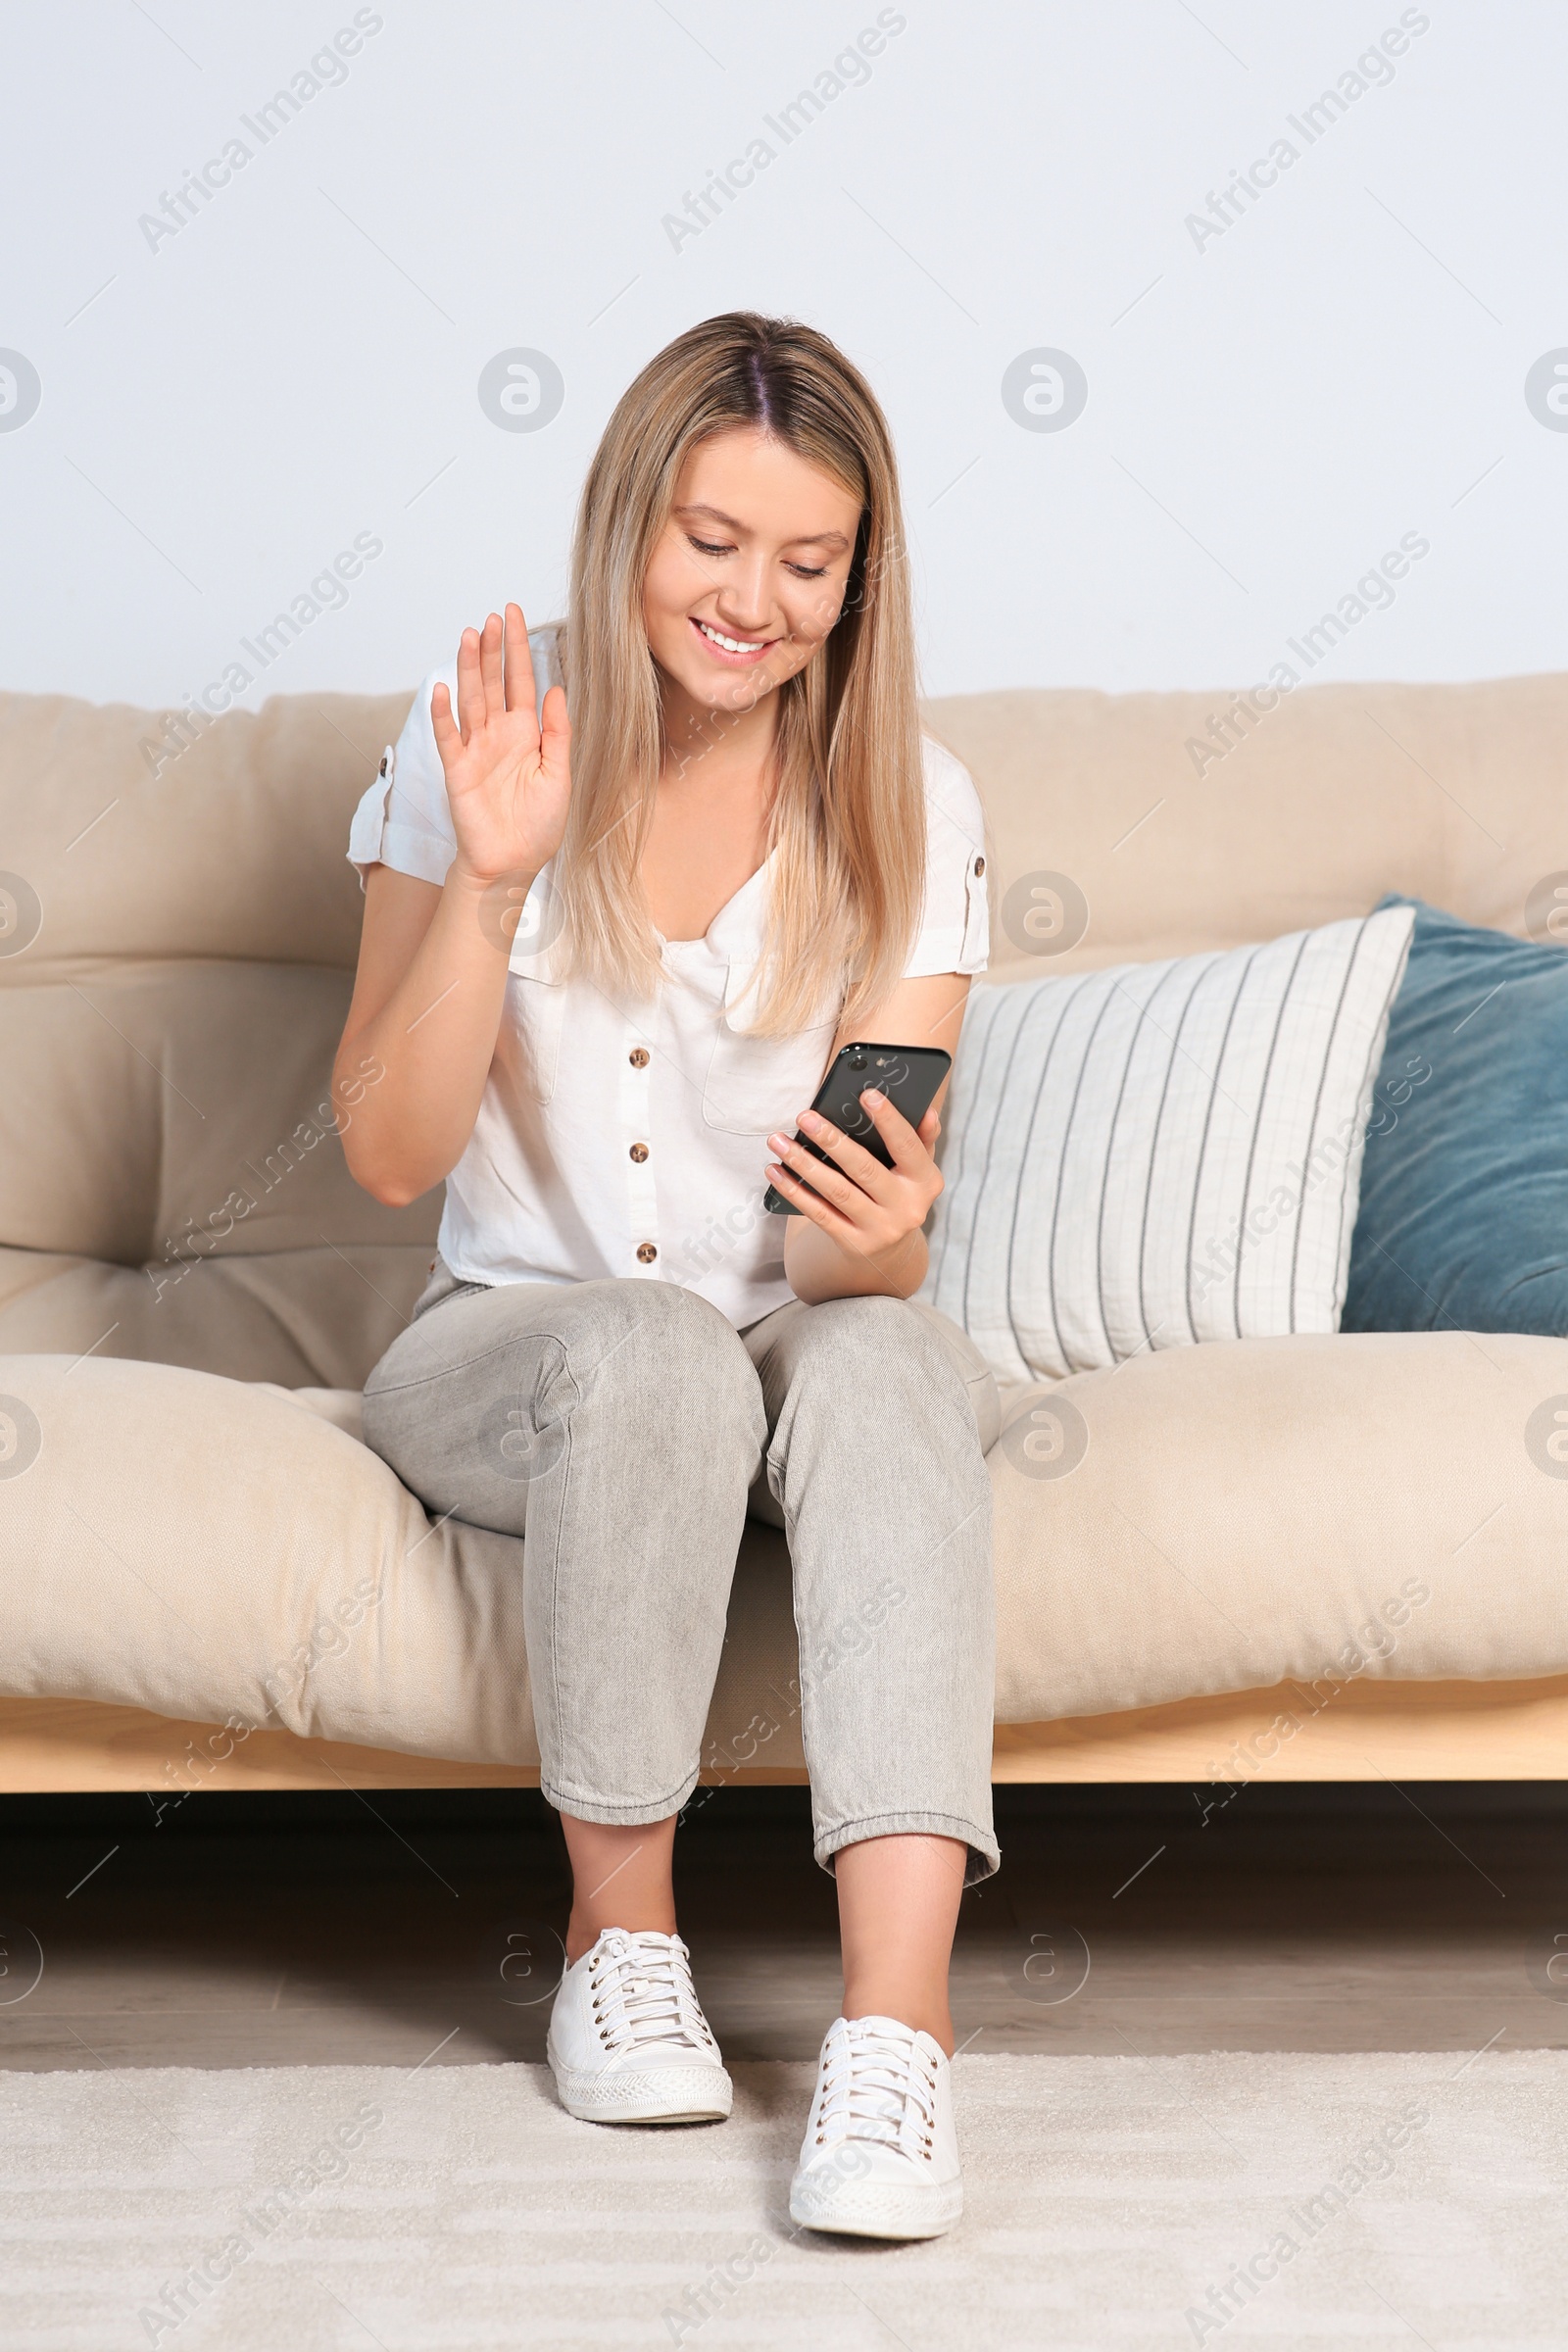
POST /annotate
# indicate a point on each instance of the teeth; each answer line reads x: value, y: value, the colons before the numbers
x: 732, y: 645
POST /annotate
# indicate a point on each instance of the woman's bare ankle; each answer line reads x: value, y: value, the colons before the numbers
x: 587, y: 1924
x: 916, y: 2007
x: 620, y: 1879
x: 898, y: 1906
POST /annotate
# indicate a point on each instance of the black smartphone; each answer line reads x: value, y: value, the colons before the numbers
x: 908, y: 1077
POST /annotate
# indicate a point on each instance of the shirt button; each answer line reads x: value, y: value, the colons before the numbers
x: 638, y: 1057
x: 979, y: 866
x: 646, y: 1252
x: 639, y: 1151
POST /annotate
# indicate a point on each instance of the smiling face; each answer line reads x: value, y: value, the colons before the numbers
x: 749, y: 575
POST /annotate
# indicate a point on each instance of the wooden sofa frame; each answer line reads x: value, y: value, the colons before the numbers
x: 1375, y: 1729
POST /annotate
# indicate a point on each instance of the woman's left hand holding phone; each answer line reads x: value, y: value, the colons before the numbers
x: 860, y: 1230
x: 873, y: 1214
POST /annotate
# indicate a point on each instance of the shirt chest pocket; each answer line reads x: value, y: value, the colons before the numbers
x: 529, y: 1043
x: 528, y: 1046
x: 535, y: 1018
x: 755, y: 1084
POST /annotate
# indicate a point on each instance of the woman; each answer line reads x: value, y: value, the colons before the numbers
x: 601, y: 1005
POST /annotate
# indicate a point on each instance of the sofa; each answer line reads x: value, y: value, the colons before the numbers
x: 1324, y: 1557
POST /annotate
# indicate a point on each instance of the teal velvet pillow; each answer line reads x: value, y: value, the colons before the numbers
x: 1463, y: 1219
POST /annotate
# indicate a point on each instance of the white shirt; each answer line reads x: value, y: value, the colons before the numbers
x: 629, y: 1139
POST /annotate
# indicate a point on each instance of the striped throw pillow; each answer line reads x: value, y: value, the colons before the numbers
x: 1161, y: 1152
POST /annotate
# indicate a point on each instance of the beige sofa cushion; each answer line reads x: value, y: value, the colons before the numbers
x: 167, y: 1040
x: 1450, y: 793
x: 226, y: 1554
x: 235, y: 852
x: 1220, y: 1518
x: 301, y: 1317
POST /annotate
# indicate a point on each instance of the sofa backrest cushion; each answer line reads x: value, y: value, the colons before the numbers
x: 173, y: 984
x: 1451, y: 793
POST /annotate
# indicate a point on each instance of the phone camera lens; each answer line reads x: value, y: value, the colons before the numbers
x: 856, y: 1061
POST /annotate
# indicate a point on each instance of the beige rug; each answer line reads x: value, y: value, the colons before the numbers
x: 1280, y: 2202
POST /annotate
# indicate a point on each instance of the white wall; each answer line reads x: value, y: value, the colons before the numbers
x: 1268, y: 412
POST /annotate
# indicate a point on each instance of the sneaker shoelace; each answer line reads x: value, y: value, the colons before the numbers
x: 878, y: 2088
x: 643, y: 1992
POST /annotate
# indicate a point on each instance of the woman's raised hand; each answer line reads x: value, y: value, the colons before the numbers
x: 506, y: 761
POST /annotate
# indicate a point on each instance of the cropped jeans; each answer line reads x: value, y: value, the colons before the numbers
x: 623, y: 1429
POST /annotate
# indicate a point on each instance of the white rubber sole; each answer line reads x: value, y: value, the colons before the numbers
x: 666, y: 2094
x: 874, y: 2208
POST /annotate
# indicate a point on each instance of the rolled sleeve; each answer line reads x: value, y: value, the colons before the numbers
x: 404, y: 819
x: 955, y: 928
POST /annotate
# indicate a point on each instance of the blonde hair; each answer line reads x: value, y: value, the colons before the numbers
x: 847, y: 816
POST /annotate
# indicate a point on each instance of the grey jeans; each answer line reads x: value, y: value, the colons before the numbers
x: 628, y: 1428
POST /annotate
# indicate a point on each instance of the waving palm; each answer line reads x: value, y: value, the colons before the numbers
x: 506, y: 762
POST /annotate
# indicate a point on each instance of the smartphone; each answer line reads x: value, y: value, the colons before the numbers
x: 909, y: 1077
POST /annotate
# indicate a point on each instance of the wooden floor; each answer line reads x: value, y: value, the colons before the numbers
x: 322, y: 1930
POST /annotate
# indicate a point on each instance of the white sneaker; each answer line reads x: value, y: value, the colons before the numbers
x: 629, y: 2042
x: 880, y: 2158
